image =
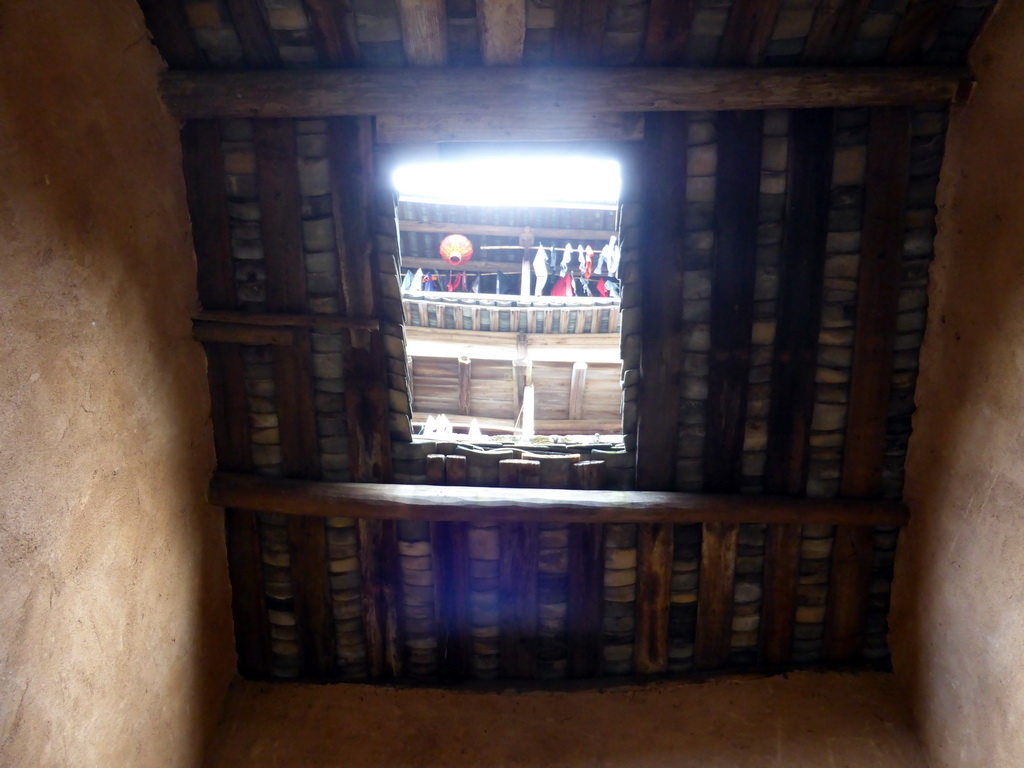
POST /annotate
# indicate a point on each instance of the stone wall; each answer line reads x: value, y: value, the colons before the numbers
x: 115, y: 638
x: 958, y: 628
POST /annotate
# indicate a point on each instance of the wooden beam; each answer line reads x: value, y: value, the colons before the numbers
x: 585, y: 609
x: 794, y: 364
x: 541, y: 426
x: 465, y: 384
x: 522, y: 93
x: 748, y: 31
x: 237, y: 333
x: 484, y: 126
x: 172, y: 34
x: 668, y: 31
x: 203, y: 165
x: 661, y: 281
x: 577, y: 388
x: 778, y: 609
x: 424, y: 32
x: 887, y: 178
x: 833, y: 30
x: 517, y: 578
x: 283, y: 320
x: 732, y: 296
x: 386, y: 501
x: 653, y: 598
x: 917, y: 30
x: 502, y: 25
x: 450, y: 557
x: 715, y: 599
x: 333, y: 29
x: 254, y: 34
x: 497, y: 230
x: 579, y: 31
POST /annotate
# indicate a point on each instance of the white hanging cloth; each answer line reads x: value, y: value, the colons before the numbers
x: 566, y: 259
x: 540, y: 268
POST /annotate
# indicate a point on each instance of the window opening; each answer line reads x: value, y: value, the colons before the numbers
x: 510, y: 286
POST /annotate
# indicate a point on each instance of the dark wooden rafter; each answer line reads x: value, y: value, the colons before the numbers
x: 520, y: 92
x: 661, y: 281
x: 732, y: 296
x: 887, y: 178
x: 204, y: 168
x: 517, y: 578
x: 172, y: 34
x: 585, y: 609
x: 668, y: 31
x: 281, y: 230
x: 502, y: 28
x: 794, y: 364
x: 748, y: 31
x: 364, y: 369
x: 424, y: 32
x: 450, y: 561
x: 579, y: 31
x: 333, y: 29
x: 653, y: 596
x: 917, y: 30
x: 732, y: 316
x: 387, y: 501
x: 254, y: 33
x: 833, y: 30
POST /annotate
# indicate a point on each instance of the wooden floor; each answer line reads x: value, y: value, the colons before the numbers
x: 805, y: 720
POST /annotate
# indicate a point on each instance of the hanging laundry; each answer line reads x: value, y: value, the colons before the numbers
x: 602, y: 288
x: 475, y: 287
x: 429, y: 283
x: 588, y: 263
x: 566, y: 258
x: 613, y: 289
x: 616, y: 256
x: 563, y: 287
x: 417, y: 281
x: 407, y: 280
x: 581, y: 257
x: 540, y: 269
x: 456, y: 282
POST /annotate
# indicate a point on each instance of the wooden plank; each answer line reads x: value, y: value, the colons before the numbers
x: 333, y: 29
x: 446, y: 91
x: 502, y: 27
x: 577, y: 387
x: 517, y: 578
x: 254, y: 33
x: 668, y: 31
x: 352, y: 194
x: 490, y: 126
x: 715, y: 598
x: 587, y: 235
x: 280, y: 215
x: 172, y: 34
x: 918, y: 28
x: 451, y: 585
x: 426, y: 502
x: 241, y: 334
x: 579, y: 31
x: 748, y: 32
x: 778, y: 609
x: 314, y: 618
x: 281, y: 320
x: 424, y: 32
x: 203, y: 162
x: 661, y: 280
x: 248, y: 598
x: 585, y: 609
x: 379, y: 570
x: 732, y: 296
x: 886, y: 183
x: 794, y: 364
x: 833, y: 30
x: 653, y: 597
x: 465, y: 381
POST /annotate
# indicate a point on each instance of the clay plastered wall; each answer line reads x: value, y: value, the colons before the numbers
x: 959, y: 597
x: 115, y: 639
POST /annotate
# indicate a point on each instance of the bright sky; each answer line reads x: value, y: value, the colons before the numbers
x: 520, y: 181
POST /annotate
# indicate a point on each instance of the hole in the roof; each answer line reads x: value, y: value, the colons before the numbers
x: 510, y: 285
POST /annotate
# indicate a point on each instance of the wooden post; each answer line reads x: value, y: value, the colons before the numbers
x: 577, y: 386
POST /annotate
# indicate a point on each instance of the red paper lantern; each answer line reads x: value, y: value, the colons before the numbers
x: 456, y: 249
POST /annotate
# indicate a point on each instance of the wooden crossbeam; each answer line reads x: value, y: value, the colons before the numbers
x: 424, y: 32
x: 522, y: 93
x: 502, y: 26
x: 284, y: 320
x: 385, y: 501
